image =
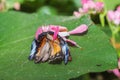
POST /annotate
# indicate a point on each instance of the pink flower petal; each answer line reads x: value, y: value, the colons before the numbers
x: 116, y: 18
x: 86, y: 7
x: 119, y: 63
x: 81, y: 10
x: 116, y: 21
x: 99, y: 6
x: 77, y: 14
x: 84, y: 1
x: 116, y: 72
x: 80, y: 29
x: 117, y: 14
x: 110, y: 15
x: 118, y: 8
x: 17, y: 6
x: 91, y: 4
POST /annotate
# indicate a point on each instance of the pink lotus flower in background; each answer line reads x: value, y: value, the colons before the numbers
x: 2, y: 5
x: 17, y: 6
x: 118, y: 8
x: 77, y: 14
x: 110, y: 15
x: 89, y: 7
x: 117, y: 18
x: 116, y: 71
x: 84, y: 1
x: 80, y: 13
x: 99, y: 6
x: 114, y: 17
x: 83, y: 11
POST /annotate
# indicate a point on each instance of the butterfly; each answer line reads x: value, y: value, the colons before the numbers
x: 51, y: 44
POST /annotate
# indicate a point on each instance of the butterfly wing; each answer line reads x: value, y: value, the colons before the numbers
x: 65, y: 50
x: 33, y: 50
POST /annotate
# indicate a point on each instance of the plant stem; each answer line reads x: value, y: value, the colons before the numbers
x: 102, y: 20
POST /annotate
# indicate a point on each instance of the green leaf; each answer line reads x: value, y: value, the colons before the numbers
x: 17, y: 32
x: 77, y: 3
x: 111, y: 4
x: 48, y: 10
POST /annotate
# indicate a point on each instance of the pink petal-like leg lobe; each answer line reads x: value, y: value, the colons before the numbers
x: 80, y: 29
x: 72, y: 43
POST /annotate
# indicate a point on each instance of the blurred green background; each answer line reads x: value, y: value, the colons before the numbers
x: 31, y: 9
